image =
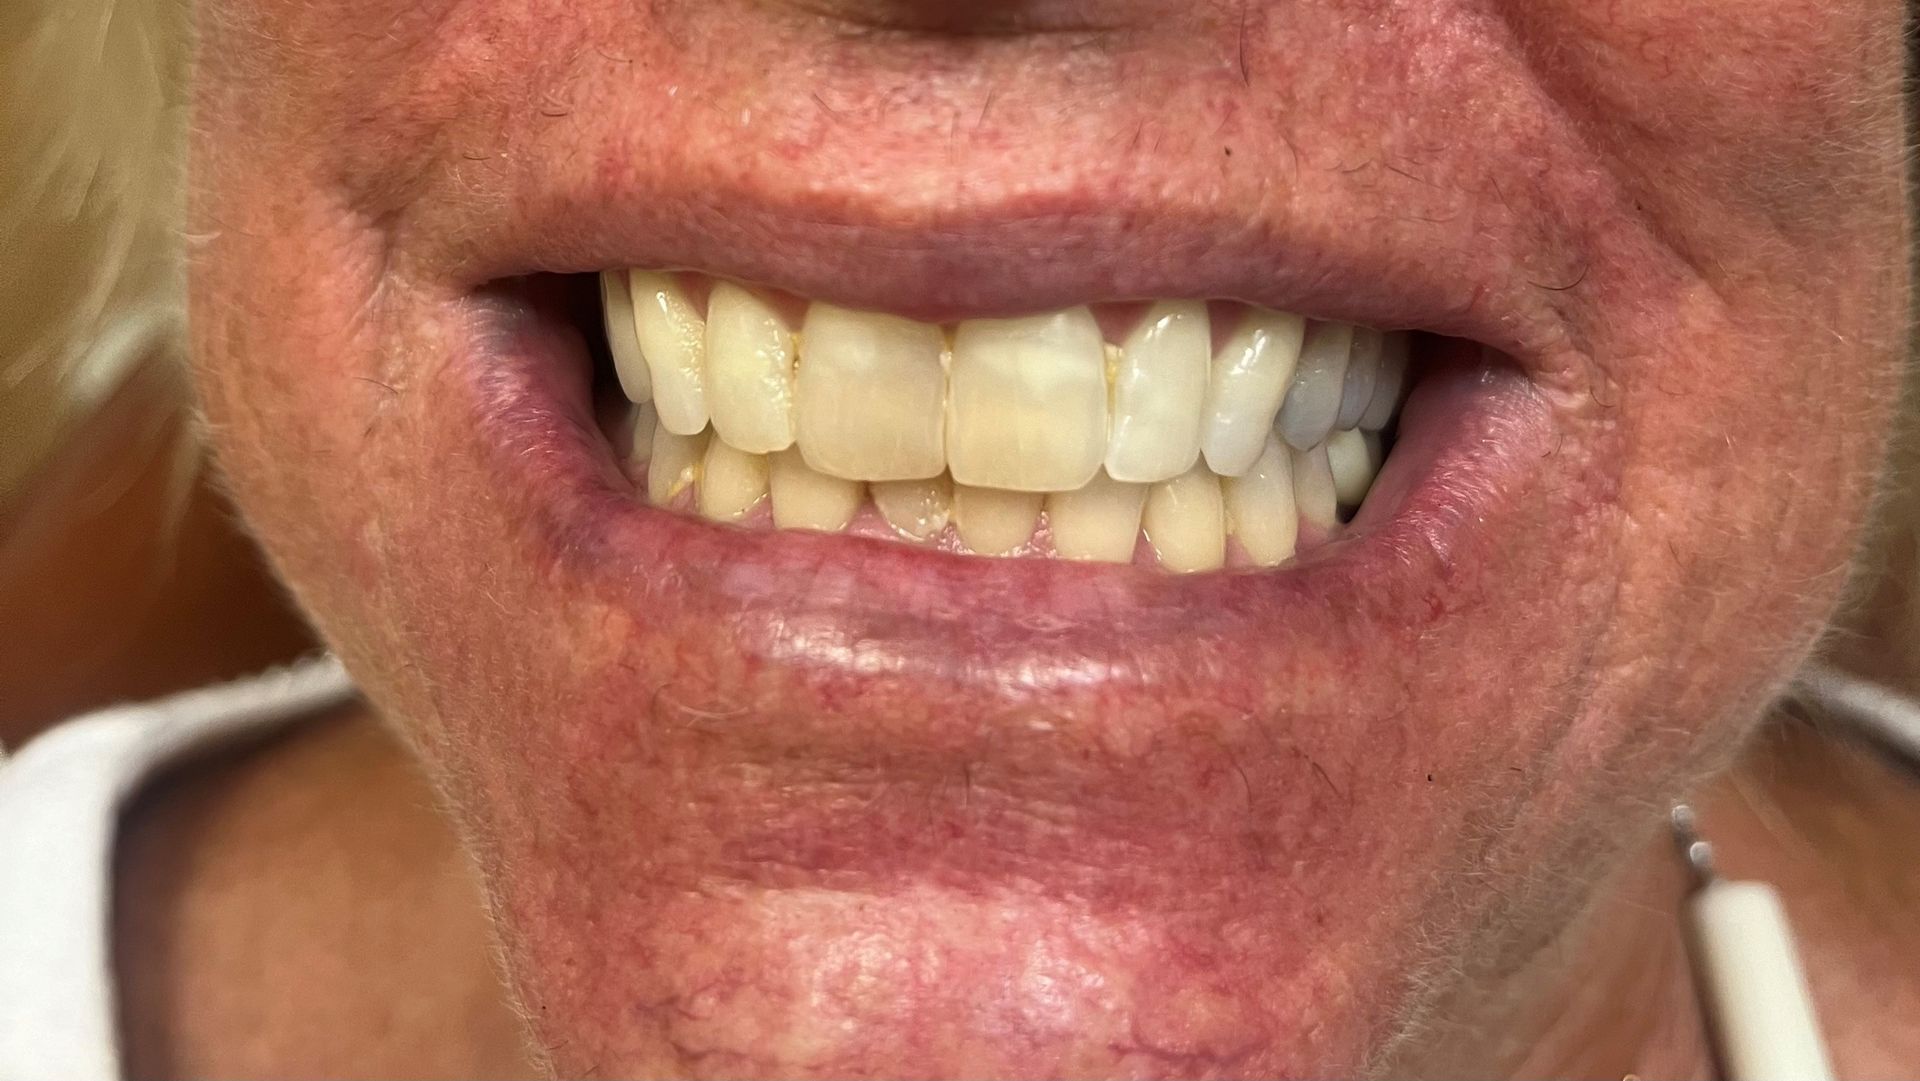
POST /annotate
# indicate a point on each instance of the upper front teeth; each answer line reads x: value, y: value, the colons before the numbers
x: 1160, y: 430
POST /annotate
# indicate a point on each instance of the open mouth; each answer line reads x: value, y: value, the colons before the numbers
x: 1184, y: 434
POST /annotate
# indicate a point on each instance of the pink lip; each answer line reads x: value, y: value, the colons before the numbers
x: 840, y: 607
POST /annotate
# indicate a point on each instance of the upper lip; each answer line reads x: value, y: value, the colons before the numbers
x: 1175, y: 187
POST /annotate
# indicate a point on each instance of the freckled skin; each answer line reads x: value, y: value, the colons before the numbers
x: 782, y: 804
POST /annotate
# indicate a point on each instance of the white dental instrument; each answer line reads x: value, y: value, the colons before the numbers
x: 1753, y: 993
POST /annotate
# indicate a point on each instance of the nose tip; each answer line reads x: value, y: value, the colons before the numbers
x: 985, y: 18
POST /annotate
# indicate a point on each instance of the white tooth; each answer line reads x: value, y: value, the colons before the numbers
x: 1260, y: 511
x: 1353, y: 457
x: 994, y: 521
x: 732, y: 481
x: 750, y: 358
x: 1186, y: 522
x: 1027, y: 402
x: 804, y: 498
x: 1386, y: 386
x: 1313, y: 494
x: 623, y: 340
x: 637, y: 448
x: 1244, y: 391
x: 917, y: 509
x: 1159, y: 389
x: 1363, y: 368
x: 871, y: 402
x: 1313, y: 404
x: 675, y: 464
x: 1100, y: 521
x: 673, y: 339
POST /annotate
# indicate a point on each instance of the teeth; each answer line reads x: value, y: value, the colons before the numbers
x: 1353, y: 458
x: 675, y: 464
x: 732, y: 482
x: 1386, y: 386
x: 750, y: 358
x: 637, y: 435
x: 1363, y: 369
x: 1186, y: 522
x: 1314, y: 402
x: 673, y: 339
x: 872, y: 396
x: 989, y: 424
x: 623, y: 340
x: 1248, y: 381
x: 1260, y: 509
x: 994, y: 521
x: 804, y: 498
x: 1100, y: 521
x: 917, y: 509
x: 1027, y: 406
x: 1313, y: 494
x: 1159, y: 389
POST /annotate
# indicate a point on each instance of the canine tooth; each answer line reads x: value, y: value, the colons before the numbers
x: 871, y: 398
x: 1387, y: 385
x: 1314, y: 402
x: 1260, y: 510
x: 675, y: 464
x: 1027, y: 402
x: 673, y: 339
x: 1247, y: 383
x: 1159, y: 389
x: 1353, y: 457
x: 994, y: 521
x: 1313, y: 494
x: 1363, y: 369
x: 804, y: 498
x: 918, y: 509
x: 623, y: 340
x: 750, y: 358
x: 1186, y: 522
x: 732, y: 481
x: 1100, y: 521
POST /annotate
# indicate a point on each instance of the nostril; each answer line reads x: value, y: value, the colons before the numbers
x: 990, y: 18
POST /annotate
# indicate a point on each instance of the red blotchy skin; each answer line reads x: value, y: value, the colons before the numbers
x: 780, y: 803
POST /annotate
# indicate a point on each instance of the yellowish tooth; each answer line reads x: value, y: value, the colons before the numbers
x: 994, y: 521
x: 1313, y: 402
x: 1363, y: 370
x: 872, y: 393
x: 623, y: 339
x: 1027, y: 402
x: 804, y: 498
x: 1186, y: 522
x: 1260, y: 511
x: 1353, y: 457
x: 640, y: 429
x: 1159, y: 390
x: 732, y: 482
x: 1245, y: 387
x: 917, y: 509
x: 673, y: 339
x: 675, y: 464
x: 1313, y: 494
x: 1385, y: 399
x: 1098, y: 522
x: 750, y: 358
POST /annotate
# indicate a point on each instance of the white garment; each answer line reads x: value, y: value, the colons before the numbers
x: 60, y: 803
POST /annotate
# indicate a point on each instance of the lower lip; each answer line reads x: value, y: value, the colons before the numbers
x: 836, y: 606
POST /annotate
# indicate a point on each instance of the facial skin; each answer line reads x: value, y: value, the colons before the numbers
x: 776, y: 803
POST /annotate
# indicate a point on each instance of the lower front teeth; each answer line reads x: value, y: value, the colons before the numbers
x: 1030, y: 435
